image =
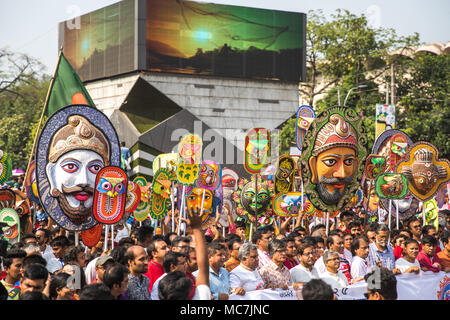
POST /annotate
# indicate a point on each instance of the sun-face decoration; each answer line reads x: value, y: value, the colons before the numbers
x: 253, y: 200
x: 110, y: 195
x: 333, y: 153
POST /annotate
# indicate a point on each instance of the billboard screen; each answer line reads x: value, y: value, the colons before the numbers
x: 101, y: 43
x: 210, y: 39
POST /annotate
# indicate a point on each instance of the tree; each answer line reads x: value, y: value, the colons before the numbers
x: 422, y: 93
x: 22, y: 94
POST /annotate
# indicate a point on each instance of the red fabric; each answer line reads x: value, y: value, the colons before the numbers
x: 427, y: 262
x: 290, y: 263
x: 154, y: 271
x: 192, y: 293
x: 398, y: 252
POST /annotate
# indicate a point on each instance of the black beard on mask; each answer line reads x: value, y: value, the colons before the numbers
x: 76, y: 215
x: 332, y: 198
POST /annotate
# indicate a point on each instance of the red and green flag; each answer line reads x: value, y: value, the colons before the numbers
x: 66, y: 88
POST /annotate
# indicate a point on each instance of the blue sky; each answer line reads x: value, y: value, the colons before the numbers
x: 31, y: 26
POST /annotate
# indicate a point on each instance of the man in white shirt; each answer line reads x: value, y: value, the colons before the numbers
x: 305, y: 271
x: 360, y: 250
x: 246, y: 277
x: 335, y: 243
x: 333, y: 276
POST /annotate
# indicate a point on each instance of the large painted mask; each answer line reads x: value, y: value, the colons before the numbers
x: 284, y: 176
x: 288, y: 204
x: 190, y: 148
x: 30, y: 183
x: 160, y: 196
x: 110, y: 195
x: 10, y: 225
x: 305, y: 117
x: 333, y: 151
x: 75, y: 144
x: 425, y: 172
x: 391, y: 186
x: 257, y: 150
x: 210, y: 203
x: 5, y: 166
x: 210, y: 175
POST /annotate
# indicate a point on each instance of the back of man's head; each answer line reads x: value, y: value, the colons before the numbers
x: 174, y: 286
x: 96, y: 291
x: 33, y: 295
x: 115, y: 274
x: 171, y: 258
x: 34, y: 258
x: 317, y: 289
x: 35, y: 271
x: 383, y: 282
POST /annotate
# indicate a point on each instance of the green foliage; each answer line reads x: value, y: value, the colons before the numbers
x: 21, y: 103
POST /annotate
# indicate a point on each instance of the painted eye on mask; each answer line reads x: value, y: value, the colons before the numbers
x: 95, y: 168
x: 120, y: 188
x: 70, y: 167
x: 104, y: 185
x: 329, y: 162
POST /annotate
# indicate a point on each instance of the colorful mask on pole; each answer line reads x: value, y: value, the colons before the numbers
x: 257, y: 150
x: 210, y: 203
x: 160, y: 196
x: 30, y: 183
x: 375, y: 165
x: 190, y: 149
x: 141, y: 212
x: 333, y: 151
x: 305, y: 117
x: 11, y: 230
x: 110, y: 195
x: 210, y: 175
x: 75, y: 144
x: 393, y: 146
x: 425, y: 172
x: 249, y: 206
x: 287, y: 204
x: 5, y: 166
x: 391, y: 186
x: 284, y: 176
x: 92, y: 236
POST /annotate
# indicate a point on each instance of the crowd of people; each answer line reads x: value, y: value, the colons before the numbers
x: 145, y: 263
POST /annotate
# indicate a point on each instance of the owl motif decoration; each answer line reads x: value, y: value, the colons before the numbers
x: 110, y: 195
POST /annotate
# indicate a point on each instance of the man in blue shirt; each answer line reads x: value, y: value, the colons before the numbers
x: 219, y: 278
x: 381, y: 253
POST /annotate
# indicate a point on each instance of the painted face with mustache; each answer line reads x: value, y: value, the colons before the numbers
x: 332, y: 171
x: 72, y: 181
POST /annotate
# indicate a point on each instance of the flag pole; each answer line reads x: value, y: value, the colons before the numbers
x: 50, y: 87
